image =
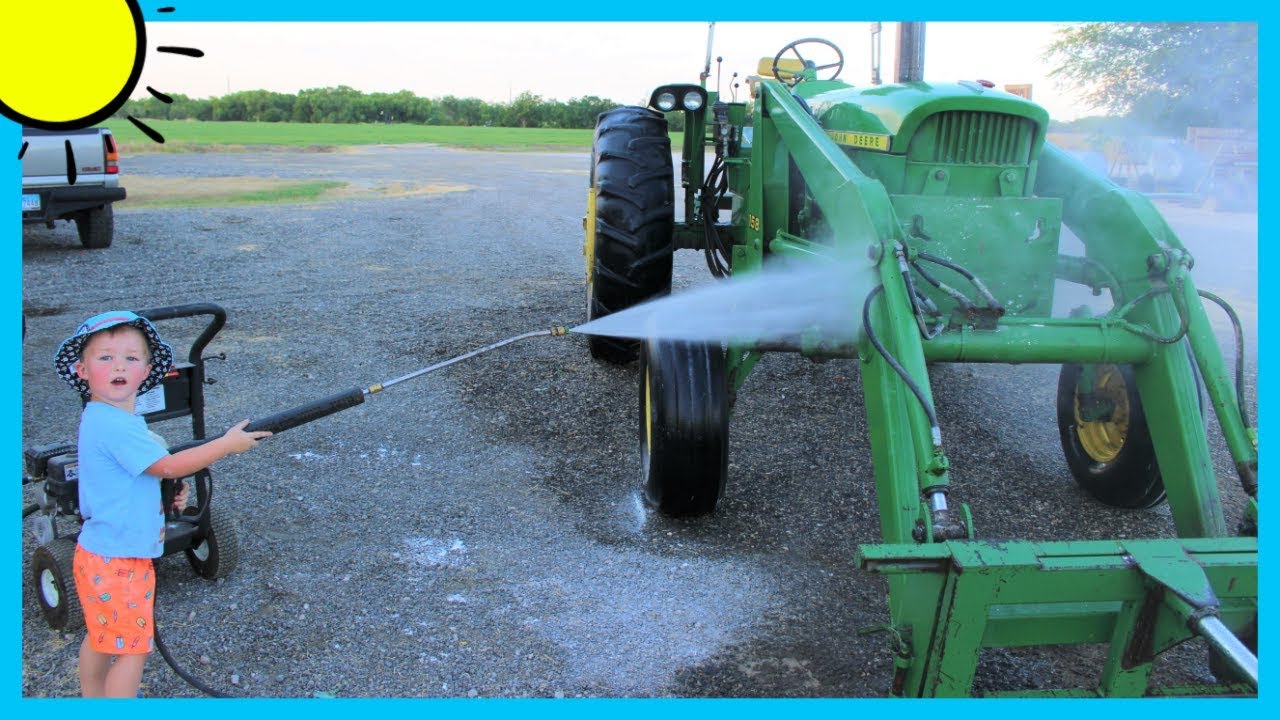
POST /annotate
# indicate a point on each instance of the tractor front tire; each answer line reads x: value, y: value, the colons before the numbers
x: 629, y: 248
x: 684, y: 425
x: 96, y: 227
x: 1112, y: 458
x: 217, y: 554
x: 52, y: 579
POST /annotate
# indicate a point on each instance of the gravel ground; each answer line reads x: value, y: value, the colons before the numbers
x: 477, y: 532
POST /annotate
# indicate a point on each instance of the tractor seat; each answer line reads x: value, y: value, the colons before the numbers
x: 787, y: 68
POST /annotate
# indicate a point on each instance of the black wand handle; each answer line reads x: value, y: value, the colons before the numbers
x: 294, y: 417
x: 303, y: 414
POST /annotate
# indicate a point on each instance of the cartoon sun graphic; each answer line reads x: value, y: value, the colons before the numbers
x: 75, y: 63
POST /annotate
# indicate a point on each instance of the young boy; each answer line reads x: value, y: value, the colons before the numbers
x: 111, y: 359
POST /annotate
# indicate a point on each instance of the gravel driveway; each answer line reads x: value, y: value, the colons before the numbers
x: 477, y: 532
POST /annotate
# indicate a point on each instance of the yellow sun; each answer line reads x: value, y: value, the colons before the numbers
x: 73, y: 63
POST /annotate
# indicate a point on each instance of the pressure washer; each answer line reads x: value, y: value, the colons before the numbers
x: 208, y: 539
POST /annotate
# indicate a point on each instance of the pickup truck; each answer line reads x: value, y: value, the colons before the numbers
x: 71, y: 175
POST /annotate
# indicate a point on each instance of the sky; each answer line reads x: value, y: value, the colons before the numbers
x: 621, y: 61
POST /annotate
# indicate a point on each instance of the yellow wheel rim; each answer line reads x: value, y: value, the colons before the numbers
x: 1104, y: 439
x: 648, y: 416
x: 589, y: 226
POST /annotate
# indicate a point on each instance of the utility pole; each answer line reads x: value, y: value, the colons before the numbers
x: 909, y: 66
x: 875, y: 53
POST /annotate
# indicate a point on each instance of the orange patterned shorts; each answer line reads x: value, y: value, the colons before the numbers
x: 118, y: 597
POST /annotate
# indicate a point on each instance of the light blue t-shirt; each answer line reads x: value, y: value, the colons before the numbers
x: 120, y: 503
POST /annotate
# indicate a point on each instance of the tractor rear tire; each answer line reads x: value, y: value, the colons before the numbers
x: 52, y: 579
x: 629, y: 261
x: 96, y: 227
x: 217, y: 554
x: 684, y: 425
x: 1113, y: 460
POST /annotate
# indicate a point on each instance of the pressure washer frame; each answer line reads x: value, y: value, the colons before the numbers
x: 208, y: 539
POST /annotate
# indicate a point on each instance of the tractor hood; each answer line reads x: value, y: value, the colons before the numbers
x: 886, y: 117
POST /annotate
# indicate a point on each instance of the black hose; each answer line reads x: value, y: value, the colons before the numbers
x: 906, y: 377
x: 963, y: 302
x: 1239, y: 334
x: 917, y: 311
x: 192, y: 680
x: 1184, y: 317
x: 713, y: 190
x: 968, y: 275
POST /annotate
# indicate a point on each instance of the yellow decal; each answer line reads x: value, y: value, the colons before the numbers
x: 871, y: 141
x: 753, y: 222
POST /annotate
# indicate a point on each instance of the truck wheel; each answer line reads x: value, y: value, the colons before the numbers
x: 1105, y: 437
x: 216, y: 555
x: 96, y: 226
x: 684, y: 425
x: 52, y: 579
x: 628, y: 248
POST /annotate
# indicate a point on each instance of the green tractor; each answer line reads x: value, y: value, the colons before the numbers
x: 950, y: 197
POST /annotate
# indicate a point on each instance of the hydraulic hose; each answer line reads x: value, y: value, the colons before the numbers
x: 1239, y: 335
x: 1184, y: 318
x: 906, y: 377
x: 962, y: 301
x: 917, y: 310
x: 992, y: 302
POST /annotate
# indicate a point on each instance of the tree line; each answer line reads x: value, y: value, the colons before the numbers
x: 1163, y: 76
x: 344, y: 104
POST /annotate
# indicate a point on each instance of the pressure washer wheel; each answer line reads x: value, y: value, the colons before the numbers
x: 52, y: 579
x: 1105, y: 437
x: 684, y: 425
x: 216, y: 554
x: 628, y: 246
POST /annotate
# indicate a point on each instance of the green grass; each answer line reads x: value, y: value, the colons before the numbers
x: 190, y: 135
x: 282, y: 193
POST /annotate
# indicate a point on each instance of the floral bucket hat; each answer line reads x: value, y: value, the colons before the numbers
x: 71, y: 349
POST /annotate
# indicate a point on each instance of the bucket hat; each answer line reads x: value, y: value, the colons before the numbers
x: 70, y: 350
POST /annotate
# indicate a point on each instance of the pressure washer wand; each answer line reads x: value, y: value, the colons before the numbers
x: 554, y: 332
x: 323, y: 407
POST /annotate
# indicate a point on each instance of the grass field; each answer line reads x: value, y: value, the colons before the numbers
x: 193, y: 135
x: 198, y: 136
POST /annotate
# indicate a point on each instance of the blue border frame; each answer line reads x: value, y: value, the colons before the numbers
x: 507, y: 10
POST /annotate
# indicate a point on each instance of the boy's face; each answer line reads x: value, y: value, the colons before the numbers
x: 114, y: 363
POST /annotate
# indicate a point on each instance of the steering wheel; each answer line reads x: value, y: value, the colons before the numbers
x: 794, y: 47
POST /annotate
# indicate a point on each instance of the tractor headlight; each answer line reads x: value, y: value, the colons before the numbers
x: 690, y: 98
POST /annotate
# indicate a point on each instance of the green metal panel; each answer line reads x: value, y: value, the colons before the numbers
x: 1011, y: 243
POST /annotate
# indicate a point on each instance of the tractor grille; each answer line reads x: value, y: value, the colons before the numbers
x: 967, y: 137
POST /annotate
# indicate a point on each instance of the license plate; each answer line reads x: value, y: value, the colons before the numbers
x: 30, y: 202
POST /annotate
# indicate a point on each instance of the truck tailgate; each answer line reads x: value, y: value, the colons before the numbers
x: 44, y: 161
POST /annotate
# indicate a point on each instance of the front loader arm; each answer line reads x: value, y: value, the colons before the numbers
x: 1124, y: 233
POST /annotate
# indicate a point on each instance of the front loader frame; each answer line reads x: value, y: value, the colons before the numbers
x: 950, y: 594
